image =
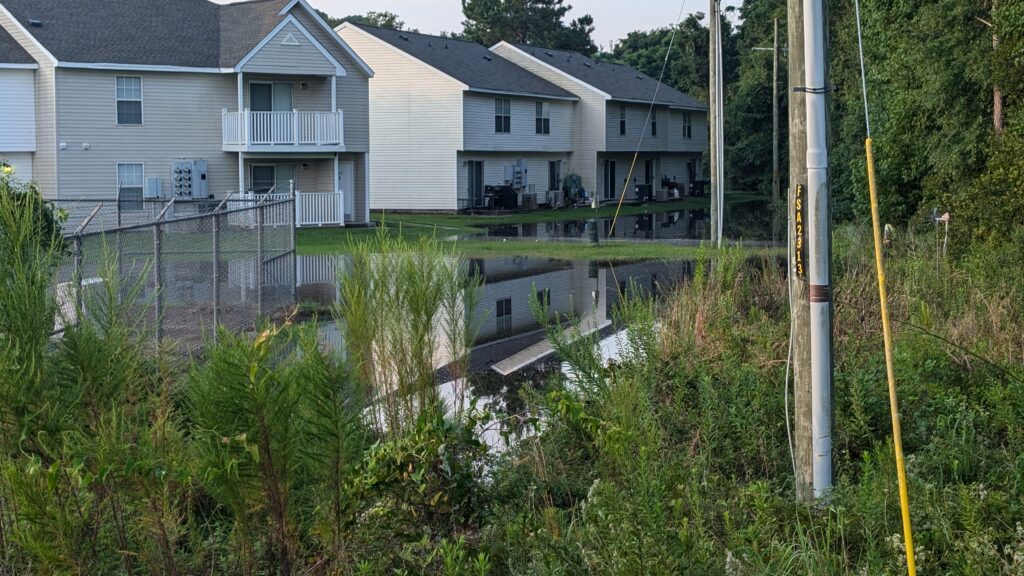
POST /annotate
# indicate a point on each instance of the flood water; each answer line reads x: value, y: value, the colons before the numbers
x: 748, y: 221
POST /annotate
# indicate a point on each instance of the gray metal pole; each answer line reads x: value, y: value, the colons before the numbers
x: 291, y: 244
x: 720, y: 114
x: 158, y: 305
x: 776, y: 196
x: 77, y: 280
x: 259, y: 259
x: 818, y: 244
x: 216, y: 274
x: 712, y: 114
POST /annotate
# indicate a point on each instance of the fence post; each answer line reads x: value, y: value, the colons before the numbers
x: 291, y: 242
x: 158, y: 280
x: 77, y: 278
x: 340, y: 199
x: 216, y: 274
x: 259, y: 259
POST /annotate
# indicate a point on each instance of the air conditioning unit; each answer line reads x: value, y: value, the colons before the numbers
x: 189, y: 179
x: 153, y: 189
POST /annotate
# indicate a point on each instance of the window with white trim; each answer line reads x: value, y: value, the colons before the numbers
x: 543, y: 118
x: 130, y: 178
x: 503, y: 315
x: 128, y: 94
x: 622, y: 120
x: 502, y: 115
x: 654, y: 122
x: 687, y: 126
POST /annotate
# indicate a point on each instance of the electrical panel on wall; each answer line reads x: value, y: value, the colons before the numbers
x: 189, y: 179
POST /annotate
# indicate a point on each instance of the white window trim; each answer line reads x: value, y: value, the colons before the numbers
x: 142, y: 101
x: 506, y: 113
x: 687, y: 126
x: 117, y: 179
x: 545, y: 114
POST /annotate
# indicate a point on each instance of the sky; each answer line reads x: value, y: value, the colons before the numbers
x: 613, y: 19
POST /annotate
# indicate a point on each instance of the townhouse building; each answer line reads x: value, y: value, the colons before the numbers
x: 451, y: 120
x: 136, y: 100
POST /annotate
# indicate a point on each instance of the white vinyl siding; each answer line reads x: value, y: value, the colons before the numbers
x: 44, y: 161
x: 479, y: 123
x: 21, y: 162
x: 17, y: 111
x: 416, y: 115
x: 128, y: 96
x: 130, y: 182
x: 281, y: 56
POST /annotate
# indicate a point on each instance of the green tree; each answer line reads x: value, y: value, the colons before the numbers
x: 380, y: 19
x: 538, y: 22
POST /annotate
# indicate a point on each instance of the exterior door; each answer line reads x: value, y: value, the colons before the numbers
x: 284, y: 178
x: 554, y: 175
x: 346, y: 183
x: 610, y: 180
x: 476, y: 183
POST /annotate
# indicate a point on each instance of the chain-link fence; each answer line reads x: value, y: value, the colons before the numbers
x: 228, y: 264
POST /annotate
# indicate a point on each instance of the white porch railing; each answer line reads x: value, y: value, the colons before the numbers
x: 311, y: 208
x: 295, y: 128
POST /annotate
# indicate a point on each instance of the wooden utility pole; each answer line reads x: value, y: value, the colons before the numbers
x: 713, y: 120
x: 800, y: 310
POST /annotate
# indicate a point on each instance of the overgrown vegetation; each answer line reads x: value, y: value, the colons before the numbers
x: 272, y: 455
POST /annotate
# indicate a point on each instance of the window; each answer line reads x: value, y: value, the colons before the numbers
x: 502, y: 115
x: 543, y: 118
x: 622, y: 120
x: 687, y: 127
x: 543, y: 296
x: 554, y: 175
x: 654, y: 122
x: 503, y: 315
x: 128, y: 93
x: 129, y: 186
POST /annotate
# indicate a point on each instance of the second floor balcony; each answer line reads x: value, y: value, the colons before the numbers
x: 285, y: 131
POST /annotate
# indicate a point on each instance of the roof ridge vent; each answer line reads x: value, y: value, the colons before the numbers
x: 35, y: 22
x: 403, y: 37
x: 587, y: 64
x: 550, y: 54
x: 488, y: 57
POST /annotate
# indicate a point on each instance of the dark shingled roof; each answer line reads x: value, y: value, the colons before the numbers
x: 192, y: 33
x: 11, y: 52
x: 618, y: 81
x: 468, y: 62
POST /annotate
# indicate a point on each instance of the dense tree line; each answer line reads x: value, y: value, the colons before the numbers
x: 945, y: 79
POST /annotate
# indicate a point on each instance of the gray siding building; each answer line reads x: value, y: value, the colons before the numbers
x: 612, y: 120
x: 263, y: 92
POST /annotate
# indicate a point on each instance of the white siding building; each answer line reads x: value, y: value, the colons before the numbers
x: 450, y: 119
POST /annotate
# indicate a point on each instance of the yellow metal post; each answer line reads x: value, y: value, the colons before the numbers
x: 897, y: 438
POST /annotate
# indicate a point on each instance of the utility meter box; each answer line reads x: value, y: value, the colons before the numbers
x: 189, y: 179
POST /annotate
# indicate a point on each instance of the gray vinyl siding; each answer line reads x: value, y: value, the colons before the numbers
x: 181, y: 119
x: 278, y: 58
x: 698, y: 142
x: 353, y: 88
x: 478, y: 125
x: 315, y: 98
x: 571, y: 293
x: 44, y: 161
x: 670, y: 129
x: 416, y: 115
x: 589, y: 115
x: 494, y: 169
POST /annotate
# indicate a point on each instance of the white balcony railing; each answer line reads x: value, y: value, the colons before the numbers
x: 295, y: 128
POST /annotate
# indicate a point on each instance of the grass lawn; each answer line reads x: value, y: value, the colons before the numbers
x: 413, y: 226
